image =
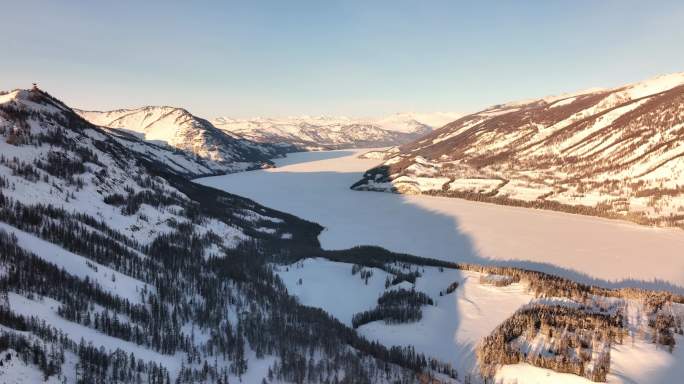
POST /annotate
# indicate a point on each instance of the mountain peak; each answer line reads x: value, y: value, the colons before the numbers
x: 34, y: 98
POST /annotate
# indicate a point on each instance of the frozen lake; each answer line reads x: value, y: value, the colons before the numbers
x: 315, y: 186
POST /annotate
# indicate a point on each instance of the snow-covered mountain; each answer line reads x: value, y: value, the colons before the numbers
x: 325, y: 132
x: 114, y: 267
x: 180, y: 129
x: 611, y: 152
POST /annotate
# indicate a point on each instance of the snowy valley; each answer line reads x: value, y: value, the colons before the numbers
x: 116, y: 267
x: 341, y: 192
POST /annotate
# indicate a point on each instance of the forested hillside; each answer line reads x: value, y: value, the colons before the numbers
x: 116, y: 268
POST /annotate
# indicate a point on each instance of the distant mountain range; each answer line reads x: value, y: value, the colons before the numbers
x: 324, y: 132
x: 611, y: 152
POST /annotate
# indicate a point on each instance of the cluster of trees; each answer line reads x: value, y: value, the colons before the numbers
x: 498, y: 280
x: 363, y: 272
x: 450, y: 289
x: 96, y: 365
x: 19, y: 132
x: 60, y: 165
x: 302, y: 370
x: 542, y: 284
x: 153, y: 193
x: 663, y: 325
x: 400, y: 275
x: 131, y: 203
x: 395, y: 306
x: 577, y: 340
x: 663, y: 320
x: 404, y: 297
x: 20, y: 168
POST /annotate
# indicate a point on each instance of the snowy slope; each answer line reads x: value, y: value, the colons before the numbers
x: 324, y: 132
x: 180, y: 129
x: 615, y: 152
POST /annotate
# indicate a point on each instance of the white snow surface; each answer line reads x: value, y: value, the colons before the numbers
x: 315, y: 186
x: 524, y: 373
x: 331, y: 286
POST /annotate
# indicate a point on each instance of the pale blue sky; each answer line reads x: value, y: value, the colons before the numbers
x: 356, y: 58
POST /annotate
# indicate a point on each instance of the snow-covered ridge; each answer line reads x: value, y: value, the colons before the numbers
x: 612, y: 152
x: 642, y: 88
x: 180, y: 129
